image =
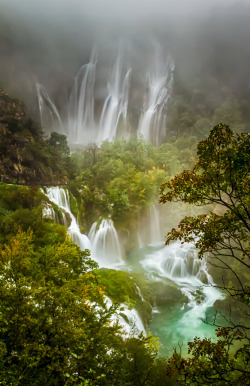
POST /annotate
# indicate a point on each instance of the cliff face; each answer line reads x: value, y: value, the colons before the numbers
x: 25, y: 156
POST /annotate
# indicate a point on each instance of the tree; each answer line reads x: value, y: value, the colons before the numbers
x: 219, y: 178
x: 54, y: 326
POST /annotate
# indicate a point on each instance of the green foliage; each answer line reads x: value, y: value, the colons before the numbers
x: 134, y: 290
x: 54, y: 327
x: 221, y: 177
x: 121, y: 178
x: 211, y: 363
x: 23, y: 207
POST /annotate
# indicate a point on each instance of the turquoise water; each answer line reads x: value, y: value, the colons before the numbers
x: 179, y: 323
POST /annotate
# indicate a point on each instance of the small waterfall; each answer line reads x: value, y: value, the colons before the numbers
x: 149, y: 230
x: 49, y: 115
x: 132, y: 322
x: 155, y: 230
x: 60, y: 197
x: 105, y: 244
x: 178, y: 262
x: 160, y: 83
x: 129, y: 319
x: 48, y: 212
x: 116, y: 102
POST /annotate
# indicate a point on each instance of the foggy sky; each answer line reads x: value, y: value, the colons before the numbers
x: 49, y: 40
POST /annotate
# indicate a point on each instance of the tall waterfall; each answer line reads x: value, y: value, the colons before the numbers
x: 116, y: 103
x: 82, y: 119
x: 81, y: 103
x: 159, y: 89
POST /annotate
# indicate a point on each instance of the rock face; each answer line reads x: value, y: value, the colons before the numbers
x: 25, y: 156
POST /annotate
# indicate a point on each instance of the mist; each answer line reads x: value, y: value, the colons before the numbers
x: 49, y: 41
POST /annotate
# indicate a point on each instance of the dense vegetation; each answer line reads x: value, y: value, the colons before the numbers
x: 221, y: 177
x: 55, y: 325
x: 55, y: 328
x: 121, y: 179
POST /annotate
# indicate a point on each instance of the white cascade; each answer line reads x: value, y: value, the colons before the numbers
x: 105, y: 244
x: 155, y: 230
x: 81, y: 104
x: 49, y: 115
x: 60, y: 197
x: 180, y: 263
x: 116, y: 102
x: 160, y: 84
x: 128, y: 319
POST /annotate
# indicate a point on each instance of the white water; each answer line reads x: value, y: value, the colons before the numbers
x: 176, y: 262
x: 128, y: 319
x: 159, y: 89
x: 179, y: 263
x: 149, y: 229
x: 116, y: 102
x: 80, y: 119
x: 155, y: 230
x: 81, y: 103
x: 105, y: 247
x: 103, y: 241
x: 49, y: 115
x: 60, y: 197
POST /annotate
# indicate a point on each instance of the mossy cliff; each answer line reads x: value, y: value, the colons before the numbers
x: 26, y: 157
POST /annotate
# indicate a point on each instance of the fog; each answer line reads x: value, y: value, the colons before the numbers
x: 50, y: 40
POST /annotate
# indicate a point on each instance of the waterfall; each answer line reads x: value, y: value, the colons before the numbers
x: 103, y: 241
x: 155, y: 231
x: 129, y: 320
x: 105, y: 244
x: 178, y: 262
x: 60, y: 197
x: 49, y: 115
x: 81, y: 103
x: 81, y: 120
x: 160, y: 83
x: 116, y: 102
x: 149, y: 230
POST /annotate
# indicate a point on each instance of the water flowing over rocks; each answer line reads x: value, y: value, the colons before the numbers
x: 182, y: 281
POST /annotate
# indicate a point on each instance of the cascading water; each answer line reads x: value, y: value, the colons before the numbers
x: 49, y: 115
x: 81, y: 104
x: 160, y: 83
x: 180, y: 263
x: 60, y: 197
x: 150, y: 233
x: 105, y: 244
x: 82, y: 123
x: 116, y: 103
x: 155, y: 231
x: 103, y: 241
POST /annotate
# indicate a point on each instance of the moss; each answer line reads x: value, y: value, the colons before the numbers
x: 131, y: 289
